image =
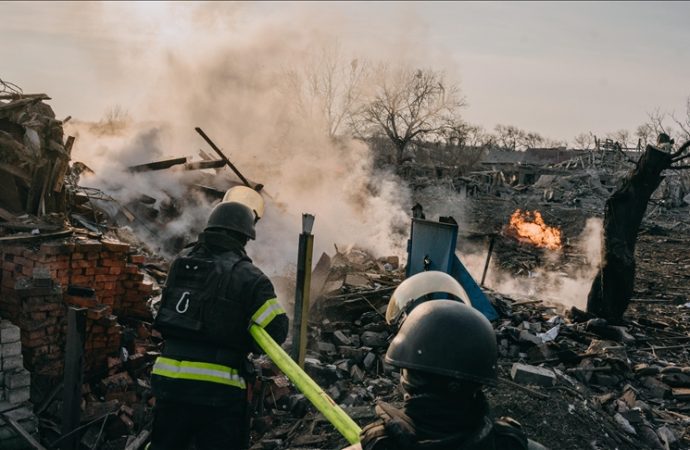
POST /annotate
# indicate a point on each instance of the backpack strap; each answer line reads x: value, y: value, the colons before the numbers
x: 226, y: 275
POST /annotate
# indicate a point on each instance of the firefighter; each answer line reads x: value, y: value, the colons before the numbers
x: 212, y: 294
x: 446, y: 351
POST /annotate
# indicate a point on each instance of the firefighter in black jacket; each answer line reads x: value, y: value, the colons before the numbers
x: 212, y: 295
x: 446, y: 352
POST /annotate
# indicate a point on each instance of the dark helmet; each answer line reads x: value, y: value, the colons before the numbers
x: 448, y: 338
x: 233, y: 216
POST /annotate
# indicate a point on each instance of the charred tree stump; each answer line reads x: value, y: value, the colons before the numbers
x: 612, y: 287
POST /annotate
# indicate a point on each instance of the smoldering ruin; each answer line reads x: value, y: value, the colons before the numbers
x: 580, y: 249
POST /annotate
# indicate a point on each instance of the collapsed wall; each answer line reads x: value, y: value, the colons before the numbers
x: 35, y: 292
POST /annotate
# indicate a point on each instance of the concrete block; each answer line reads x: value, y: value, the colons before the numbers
x: 9, y: 333
x: 526, y: 374
x: 342, y: 338
x: 2, y: 378
x: 374, y: 339
x: 10, y: 349
x: 12, y: 362
x: 326, y: 347
x: 15, y: 396
x: 369, y: 360
x: 18, y: 379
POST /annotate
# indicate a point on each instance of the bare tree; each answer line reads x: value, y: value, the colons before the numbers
x: 645, y: 135
x: 612, y: 287
x: 407, y: 104
x: 531, y: 140
x: 328, y: 87
x: 465, y: 135
x: 585, y: 141
x: 683, y: 122
x: 620, y: 136
x: 115, y: 119
x: 554, y: 143
x: 508, y: 136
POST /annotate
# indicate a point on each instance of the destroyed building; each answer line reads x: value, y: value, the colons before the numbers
x: 625, y: 387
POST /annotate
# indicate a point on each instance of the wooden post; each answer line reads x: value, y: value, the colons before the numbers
x: 303, y: 286
x: 488, y: 258
x: 74, y: 371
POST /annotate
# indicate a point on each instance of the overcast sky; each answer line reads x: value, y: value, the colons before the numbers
x: 557, y: 68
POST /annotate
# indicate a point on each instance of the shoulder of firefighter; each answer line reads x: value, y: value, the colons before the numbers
x: 505, y: 434
x: 208, y: 304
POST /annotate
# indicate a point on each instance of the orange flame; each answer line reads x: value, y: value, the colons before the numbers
x: 530, y: 227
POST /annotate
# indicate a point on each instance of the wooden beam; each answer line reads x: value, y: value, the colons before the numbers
x: 74, y: 374
x: 6, y: 215
x: 199, y: 165
x: 61, y: 166
x: 17, y: 172
x: 158, y: 165
x: 23, y: 433
x: 138, y: 441
x: 20, y: 96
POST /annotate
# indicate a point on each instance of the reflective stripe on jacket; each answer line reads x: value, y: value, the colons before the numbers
x: 267, y: 312
x: 198, y: 371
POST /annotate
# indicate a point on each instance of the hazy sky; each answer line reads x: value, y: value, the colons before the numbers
x: 558, y: 68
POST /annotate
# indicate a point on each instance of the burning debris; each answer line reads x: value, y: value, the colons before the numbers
x: 530, y: 227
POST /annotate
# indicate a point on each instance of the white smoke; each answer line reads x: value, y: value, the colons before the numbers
x: 233, y: 82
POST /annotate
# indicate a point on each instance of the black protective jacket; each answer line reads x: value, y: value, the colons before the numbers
x: 431, y: 423
x: 189, y: 370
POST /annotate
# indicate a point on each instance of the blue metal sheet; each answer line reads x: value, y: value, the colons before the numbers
x: 432, y: 247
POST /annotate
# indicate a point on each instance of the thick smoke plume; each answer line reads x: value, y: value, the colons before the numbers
x: 237, y: 87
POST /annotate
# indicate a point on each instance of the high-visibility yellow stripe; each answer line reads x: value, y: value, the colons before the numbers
x: 198, y: 371
x: 268, y: 311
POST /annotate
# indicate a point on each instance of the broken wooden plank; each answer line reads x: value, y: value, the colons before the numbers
x: 138, y: 441
x: 22, y: 432
x: 200, y: 165
x: 61, y: 166
x: 35, y: 237
x: 21, y: 96
x: 16, y: 171
x: 157, y: 165
x: 210, y: 191
x: 223, y: 157
x: 6, y: 215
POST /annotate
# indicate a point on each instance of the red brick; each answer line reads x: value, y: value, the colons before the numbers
x: 56, y: 248
x: 146, y: 287
x: 81, y: 264
x: 39, y: 315
x: 87, y: 245
x: 136, y: 277
x: 115, y: 246
x: 115, y: 270
x: 98, y: 312
x: 84, y: 302
x: 77, y: 255
x: 81, y: 280
x: 137, y: 259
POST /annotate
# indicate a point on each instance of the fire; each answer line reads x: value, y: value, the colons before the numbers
x: 530, y: 227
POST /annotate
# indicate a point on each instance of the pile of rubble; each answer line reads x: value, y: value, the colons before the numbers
x: 34, y: 158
